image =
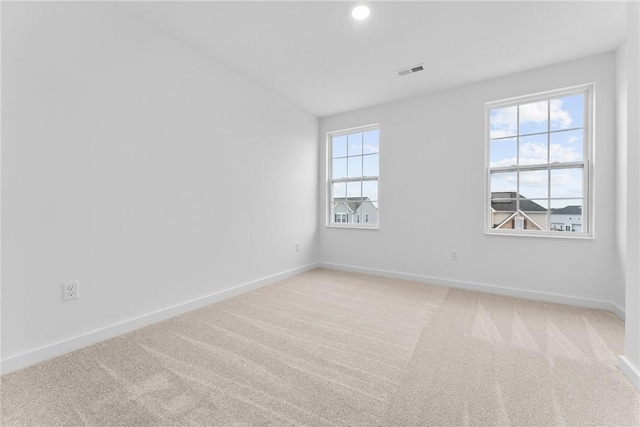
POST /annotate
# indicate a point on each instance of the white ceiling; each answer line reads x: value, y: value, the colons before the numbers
x: 318, y: 57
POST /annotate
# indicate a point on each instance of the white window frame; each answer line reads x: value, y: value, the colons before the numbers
x: 329, y: 180
x: 586, y: 164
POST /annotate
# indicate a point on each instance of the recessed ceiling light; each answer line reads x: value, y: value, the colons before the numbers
x: 360, y: 12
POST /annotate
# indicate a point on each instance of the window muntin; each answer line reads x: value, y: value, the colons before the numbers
x: 538, y: 163
x: 353, y: 170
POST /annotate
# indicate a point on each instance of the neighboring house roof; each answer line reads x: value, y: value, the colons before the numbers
x: 568, y: 210
x: 505, y: 202
x: 512, y: 216
x: 353, y: 203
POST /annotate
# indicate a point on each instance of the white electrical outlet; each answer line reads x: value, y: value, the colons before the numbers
x: 297, y: 246
x: 454, y: 254
x: 70, y: 290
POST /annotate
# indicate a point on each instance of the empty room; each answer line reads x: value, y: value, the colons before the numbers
x: 320, y: 213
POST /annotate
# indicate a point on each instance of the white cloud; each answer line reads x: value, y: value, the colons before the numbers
x: 559, y: 153
x: 563, y: 179
x: 534, y: 179
x: 354, y: 191
x: 504, y: 120
x: 560, y: 117
x: 504, y: 162
x: 534, y: 184
x: 504, y: 182
x: 535, y: 112
x: 370, y: 149
x: 355, y: 149
x: 566, y: 183
x: 532, y: 153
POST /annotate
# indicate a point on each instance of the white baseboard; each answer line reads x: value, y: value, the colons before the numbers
x: 47, y: 352
x: 491, y: 289
x: 630, y: 371
x: 41, y: 354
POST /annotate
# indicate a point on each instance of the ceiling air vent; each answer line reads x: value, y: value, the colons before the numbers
x: 410, y: 70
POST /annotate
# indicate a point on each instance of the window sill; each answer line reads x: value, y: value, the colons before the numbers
x: 551, y: 235
x: 354, y: 226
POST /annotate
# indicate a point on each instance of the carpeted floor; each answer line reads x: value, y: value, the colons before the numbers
x: 332, y: 348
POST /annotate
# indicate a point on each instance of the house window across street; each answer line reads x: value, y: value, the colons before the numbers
x: 353, y: 169
x: 538, y: 153
x: 340, y: 217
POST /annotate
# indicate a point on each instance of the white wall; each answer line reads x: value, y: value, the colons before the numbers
x: 621, y: 170
x: 432, y: 194
x: 148, y: 172
x: 628, y: 187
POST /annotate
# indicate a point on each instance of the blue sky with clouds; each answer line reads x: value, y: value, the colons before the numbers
x: 516, y: 140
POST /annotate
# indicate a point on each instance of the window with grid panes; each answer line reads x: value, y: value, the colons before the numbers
x: 538, y: 153
x: 353, y: 166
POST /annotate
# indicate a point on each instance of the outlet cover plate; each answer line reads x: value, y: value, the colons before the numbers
x: 70, y: 290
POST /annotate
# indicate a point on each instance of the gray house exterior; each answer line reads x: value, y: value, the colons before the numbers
x: 568, y: 218
x: 354, y: 210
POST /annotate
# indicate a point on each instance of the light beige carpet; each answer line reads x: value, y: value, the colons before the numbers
x: 330, y: 348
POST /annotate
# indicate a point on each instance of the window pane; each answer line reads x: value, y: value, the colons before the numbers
x: 351, y: 218
x: 501, y: 210
x: 340, y: 212
x: 502, y: 220
x: 533, y: 149
x: 371, y: 141
x: 534, y: 184
x: 355, y: 167
x: 339, y: 169
x: 521, y: 214
x: 503, y: 152
x: 566, y: 215
x: 339, y: 146
x: 355, y: 144
x: 339, y: 190
x: 503, y: 122
x: 536, y: 212
x: 370, y: 190
x: 566, y: 183
x: 534, y: 205
x: 505, y: 183
x: 370, y: 164
x: 534, y: 117
x: 566, y: 146
x: 368, y: 211
x: 532, y: 214
x: 538, y: 221
x: 354, y: 189
x: 567, y: 112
